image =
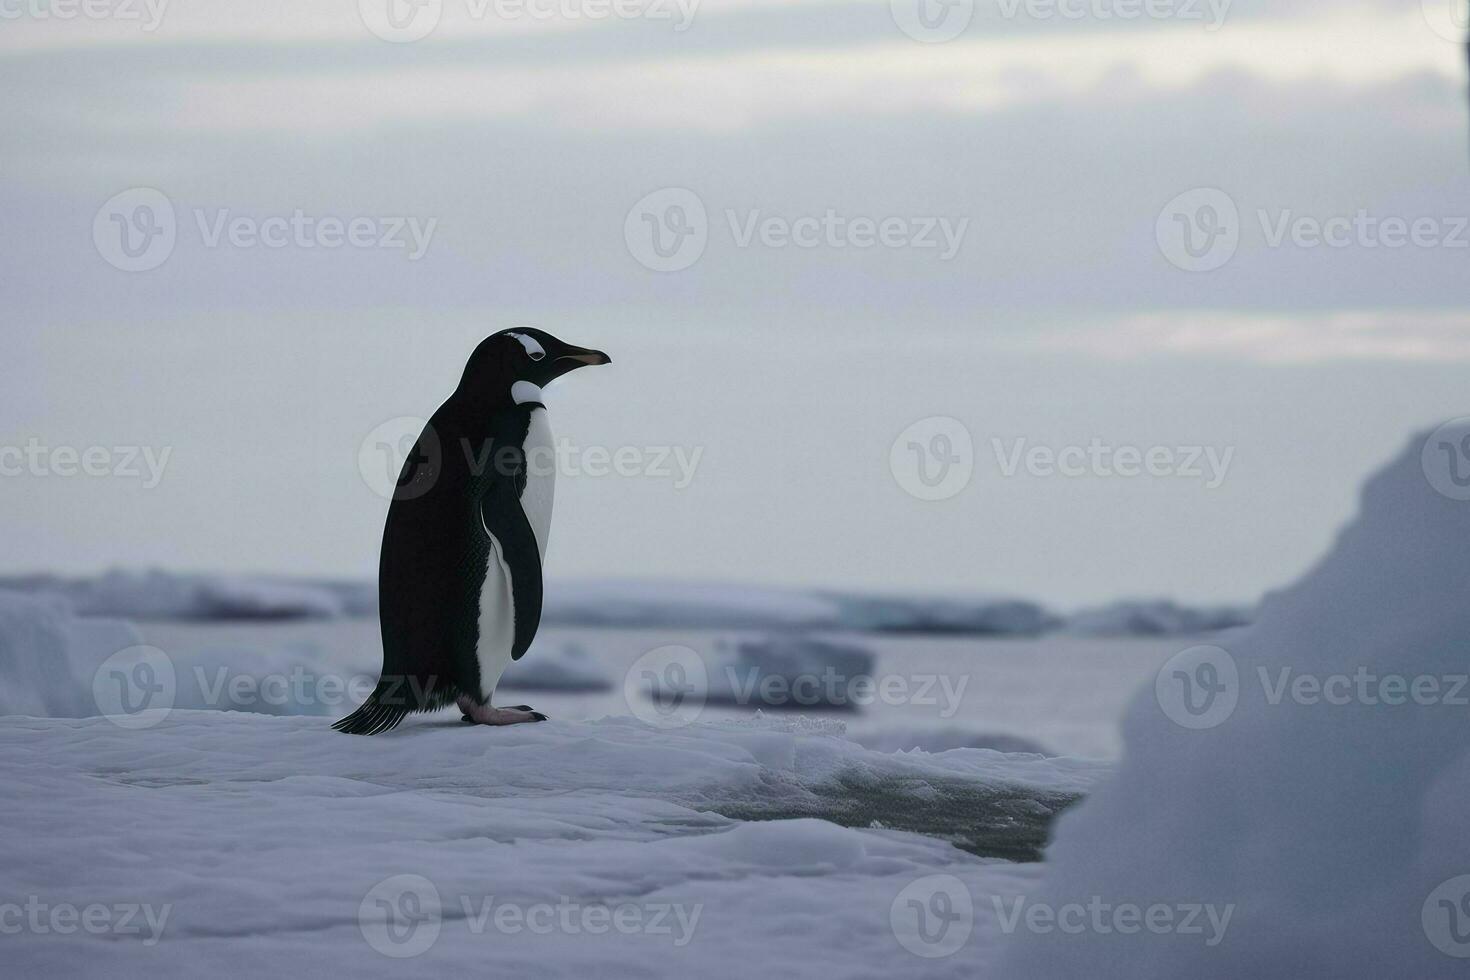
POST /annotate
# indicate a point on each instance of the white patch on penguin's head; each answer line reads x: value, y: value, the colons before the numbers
x: 531, y: 344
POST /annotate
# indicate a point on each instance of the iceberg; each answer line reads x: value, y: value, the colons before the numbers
x: 1310, y: 773
x: 48, y: 656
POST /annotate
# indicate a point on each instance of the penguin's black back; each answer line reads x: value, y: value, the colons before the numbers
x: 435, y: 557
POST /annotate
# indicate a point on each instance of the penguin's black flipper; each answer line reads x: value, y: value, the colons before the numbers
x: 515, y: 545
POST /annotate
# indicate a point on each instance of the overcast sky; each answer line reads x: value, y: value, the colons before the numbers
x: 1034, y: 173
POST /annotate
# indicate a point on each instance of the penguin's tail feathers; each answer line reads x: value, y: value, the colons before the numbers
x: 381, y: 712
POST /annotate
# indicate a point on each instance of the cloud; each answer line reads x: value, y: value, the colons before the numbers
x: 1414, y: 336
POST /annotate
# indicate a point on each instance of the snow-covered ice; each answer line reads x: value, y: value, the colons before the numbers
x: 272, y: 846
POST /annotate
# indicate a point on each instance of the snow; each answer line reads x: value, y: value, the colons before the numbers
x: 266, y: 846
x: 1337, y: 830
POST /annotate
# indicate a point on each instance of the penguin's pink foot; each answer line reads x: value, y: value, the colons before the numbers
x: 484, y: 714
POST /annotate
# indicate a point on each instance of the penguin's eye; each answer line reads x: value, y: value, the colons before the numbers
x: 537, y: 355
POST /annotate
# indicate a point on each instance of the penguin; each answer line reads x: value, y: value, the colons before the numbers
x: 459, y: 574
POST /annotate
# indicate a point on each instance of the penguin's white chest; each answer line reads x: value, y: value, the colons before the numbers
x: 497, y: 617
x: 540, y: 477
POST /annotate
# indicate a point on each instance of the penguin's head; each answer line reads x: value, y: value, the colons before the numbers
x: 524, y: 354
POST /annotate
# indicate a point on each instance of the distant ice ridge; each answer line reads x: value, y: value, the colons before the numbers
x: 1314, y: 774
x: 695, y: 605
x: 1158, y: 617
x: 158, y: 595
x: 273, y: 843
x: 567, y: 667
